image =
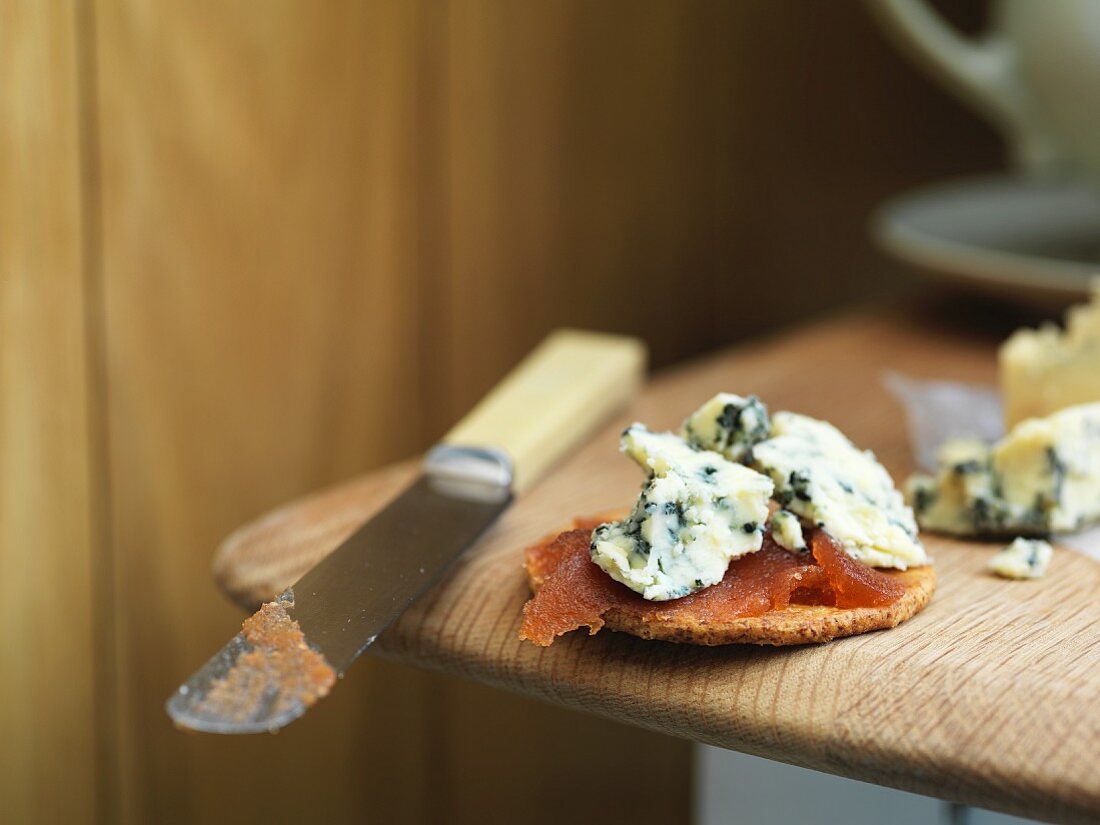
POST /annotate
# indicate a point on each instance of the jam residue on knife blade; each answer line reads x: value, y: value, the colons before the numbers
x: 278, y: 672
x: 576, y: 593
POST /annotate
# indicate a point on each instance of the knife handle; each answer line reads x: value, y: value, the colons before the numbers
x: 557, y: 397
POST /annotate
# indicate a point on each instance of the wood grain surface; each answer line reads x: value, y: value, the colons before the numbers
x: 48, y: 535
x: 986, y: 697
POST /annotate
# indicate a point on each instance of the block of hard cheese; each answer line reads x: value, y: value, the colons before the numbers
x: 1048, y: 369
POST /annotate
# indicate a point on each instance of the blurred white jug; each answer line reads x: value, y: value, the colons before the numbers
x: 1035, y: 74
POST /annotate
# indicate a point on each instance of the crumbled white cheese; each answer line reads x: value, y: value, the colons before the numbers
x: 696, y: 512
x: 728, y: 424
x: 1043, y: 477
x: 787, y: 531
x: 963, y: 497
x: 820, y: 475
x: 1023, y: 559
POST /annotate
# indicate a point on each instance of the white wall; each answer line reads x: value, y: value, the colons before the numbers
x: 736, y: 789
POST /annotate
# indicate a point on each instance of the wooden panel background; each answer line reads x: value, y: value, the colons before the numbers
x: 47, y: 534
x: 251, y: 249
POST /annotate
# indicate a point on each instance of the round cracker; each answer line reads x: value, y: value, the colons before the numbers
x: 793, y: 625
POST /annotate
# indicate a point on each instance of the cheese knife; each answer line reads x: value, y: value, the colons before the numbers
x: 571, y: 383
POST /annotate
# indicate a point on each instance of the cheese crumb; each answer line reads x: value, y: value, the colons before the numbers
x: 728, y: 424
x: 787, y: 531
x: 824, y: 478
x: 1023, y: 559
x: 697, y: 511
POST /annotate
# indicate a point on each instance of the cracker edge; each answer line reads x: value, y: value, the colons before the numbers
x: 793, y: 625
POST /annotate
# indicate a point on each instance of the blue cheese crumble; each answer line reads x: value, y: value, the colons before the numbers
x: 697, y: 511
x: 965, y: 496
x: 1023, y: 559
x: 728, y: 424
x: 787, y: 531
x: 1042, y: 478
x: 822, y: 477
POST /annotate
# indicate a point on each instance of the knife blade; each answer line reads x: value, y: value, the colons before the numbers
x: 343, y: 603
x: 289, y: 654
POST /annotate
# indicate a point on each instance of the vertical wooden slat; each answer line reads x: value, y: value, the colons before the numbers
x: 47, y: 546
x: 263, y: 336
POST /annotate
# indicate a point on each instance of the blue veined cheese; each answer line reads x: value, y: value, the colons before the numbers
x: 964, y: 498
x: 1042, y: 478
x: 1023, y: 559
x: 1049, y: 468
x: 787, y: 531
x: 820, y: 475
x: 697, y: 511
x: 728, y: 424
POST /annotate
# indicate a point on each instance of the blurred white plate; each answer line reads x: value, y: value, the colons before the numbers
x: 1024, y: 239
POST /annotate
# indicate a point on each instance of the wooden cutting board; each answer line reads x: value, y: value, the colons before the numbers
x: 991, y: 696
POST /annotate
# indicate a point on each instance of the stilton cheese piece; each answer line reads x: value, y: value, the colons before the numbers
x: 1042, y: 478
x: 964, y: 497
x: 787, y: 531
x: 1023, y: 559
x: 696, y: 512
x: 728, y: 424
x: 822, y: 477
